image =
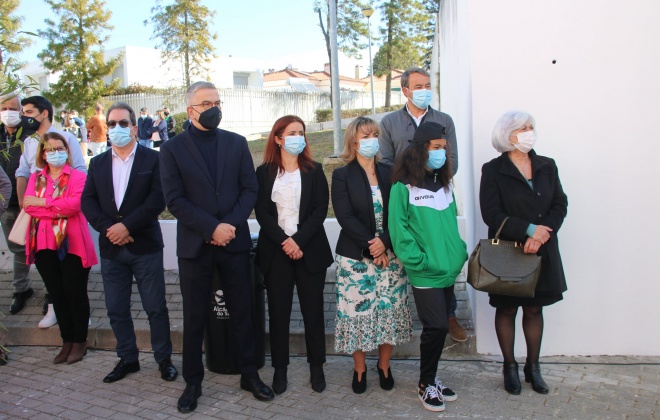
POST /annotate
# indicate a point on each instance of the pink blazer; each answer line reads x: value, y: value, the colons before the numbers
x: 68, y: 205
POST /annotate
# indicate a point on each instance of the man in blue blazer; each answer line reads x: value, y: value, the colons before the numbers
x: 211, y: 188
x: 122, y: 200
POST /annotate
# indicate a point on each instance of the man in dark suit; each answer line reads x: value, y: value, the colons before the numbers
x: 210, y: 187
x: 122, y: 200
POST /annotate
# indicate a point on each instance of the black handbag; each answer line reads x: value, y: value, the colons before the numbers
x: 503, y: 268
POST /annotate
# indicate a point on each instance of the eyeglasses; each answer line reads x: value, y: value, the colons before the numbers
x: 59, y: 149
x: 209, y: 104
x: 122, y: 123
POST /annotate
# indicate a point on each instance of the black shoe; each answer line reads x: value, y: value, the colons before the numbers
x: 167, y: 370
x: 360, y: 386
x: 122, y: 368
x: 18, y: 303
x: 44, y: 309
x: 317, y: 378
x: 188, y: 400
x: 511, y: 378
x: 386, y: 383
x: 3, y: 357
x: 533, y: 374
x: 279, y: 380
x: 260, y: 390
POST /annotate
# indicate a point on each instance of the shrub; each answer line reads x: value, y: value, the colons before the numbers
x: 323, y: 115
x: 180, y: 118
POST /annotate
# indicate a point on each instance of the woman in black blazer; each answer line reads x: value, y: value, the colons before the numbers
x: 293, y: 248
x: 525, y: 187
x: 372, y: 288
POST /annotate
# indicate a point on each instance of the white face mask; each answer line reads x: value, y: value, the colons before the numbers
x: 10, y: 118
x: 526, y: 141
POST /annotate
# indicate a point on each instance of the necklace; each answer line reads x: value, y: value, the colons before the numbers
x: 523, y: 171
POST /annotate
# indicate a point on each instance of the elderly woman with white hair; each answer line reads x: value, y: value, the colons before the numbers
x: 524, y: 187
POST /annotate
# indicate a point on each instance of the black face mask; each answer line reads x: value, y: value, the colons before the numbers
x: 166, y: 113
x: 210, y: 119
x: 30, y: 123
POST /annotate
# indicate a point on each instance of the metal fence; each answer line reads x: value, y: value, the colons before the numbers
x: 256, y: 109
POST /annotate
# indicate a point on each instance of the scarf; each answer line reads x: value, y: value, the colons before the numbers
x: 58, y: 225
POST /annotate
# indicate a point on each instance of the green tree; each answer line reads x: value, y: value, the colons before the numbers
x: 403, y: 38
x: 432, y: 8
x: 12, y: 40
x: 182, y: 29
x: 75, y: 48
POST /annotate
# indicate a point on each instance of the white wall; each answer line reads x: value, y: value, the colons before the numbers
x: 595, y: 109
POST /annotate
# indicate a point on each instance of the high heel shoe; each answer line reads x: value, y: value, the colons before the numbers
x: 317, y: 378
x: 64, y: 353
x: 386, y: 383
x: 511, y: 378
x: 360, y: 386
x: 533, y: 374
x: 78, y: 351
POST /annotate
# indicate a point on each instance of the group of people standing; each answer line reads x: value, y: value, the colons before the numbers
x: 398, y: 228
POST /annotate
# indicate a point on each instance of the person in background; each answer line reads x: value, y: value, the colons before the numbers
x: 145, y: 129
x: 160, y: 128
x: 98, y: 129
x: 397, y: 130
x: 293, y: 249
x: 525, y: 187
x: 424, y: 233
x: 171, y: 123
x: 58, y: 241
x: 372, y: 288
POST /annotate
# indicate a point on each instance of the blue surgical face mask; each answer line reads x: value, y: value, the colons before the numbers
x: 56, y: 159
x: 368, y: 147
x: 437, y: 159
x: 294, y: 145
x: 119, y: 136
x: 421, y: 98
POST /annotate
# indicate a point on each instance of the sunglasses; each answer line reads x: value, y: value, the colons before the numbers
x: 122, y: 123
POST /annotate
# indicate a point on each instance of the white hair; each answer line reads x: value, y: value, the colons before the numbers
x: 507, y: 124
x: 15, y: 94
x: 195, y: 87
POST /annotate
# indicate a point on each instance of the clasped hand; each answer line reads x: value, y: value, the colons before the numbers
x: 223, y: 234
x: 117, y: 234
x: 291, y: 248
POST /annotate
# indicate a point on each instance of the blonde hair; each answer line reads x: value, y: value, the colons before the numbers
x: 351, y: 137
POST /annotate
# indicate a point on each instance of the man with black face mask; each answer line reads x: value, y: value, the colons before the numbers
x: 210, y: 186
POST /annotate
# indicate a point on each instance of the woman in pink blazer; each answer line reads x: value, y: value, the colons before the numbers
x: 58, y: 241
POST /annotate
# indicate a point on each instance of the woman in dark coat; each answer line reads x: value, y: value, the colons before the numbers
x: 525, y: 187
x: 293, y: 249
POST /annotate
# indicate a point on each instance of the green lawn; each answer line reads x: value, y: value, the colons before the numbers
x: 321, y: 143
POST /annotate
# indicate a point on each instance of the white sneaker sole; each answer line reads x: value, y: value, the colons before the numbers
x: 450, y: 398
x: 430, y: 407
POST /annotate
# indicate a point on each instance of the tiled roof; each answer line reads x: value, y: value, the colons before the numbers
x: 284, y: 74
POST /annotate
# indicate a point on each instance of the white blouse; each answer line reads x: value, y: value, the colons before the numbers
x: 286, y: 196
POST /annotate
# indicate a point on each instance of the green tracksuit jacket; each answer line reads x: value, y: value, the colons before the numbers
x: 424, y: 233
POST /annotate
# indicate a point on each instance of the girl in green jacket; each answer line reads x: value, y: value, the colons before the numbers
x: 424, y: 233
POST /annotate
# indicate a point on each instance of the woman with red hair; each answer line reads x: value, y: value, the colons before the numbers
x: 293, y: 249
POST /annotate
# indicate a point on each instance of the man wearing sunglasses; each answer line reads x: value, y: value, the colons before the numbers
x: 125, y: 213
x: 211, y: 188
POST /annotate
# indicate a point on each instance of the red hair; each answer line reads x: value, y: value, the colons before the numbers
x: 273, y: 153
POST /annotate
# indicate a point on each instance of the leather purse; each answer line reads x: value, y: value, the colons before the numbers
x: 20, y: 228
x: 502, y: 267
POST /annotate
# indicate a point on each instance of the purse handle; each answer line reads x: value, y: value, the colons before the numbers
x: 496, y: 241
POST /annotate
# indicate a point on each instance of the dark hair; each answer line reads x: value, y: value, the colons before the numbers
x: 39, y: 158
x: 272, y: 152
x: 122, y: 105
x: 410, y: 166
x: 41, y: 103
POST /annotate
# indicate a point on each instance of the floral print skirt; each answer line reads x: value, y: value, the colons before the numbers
x: 372, y: 304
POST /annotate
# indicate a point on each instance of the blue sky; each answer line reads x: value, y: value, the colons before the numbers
x: 276, y: 32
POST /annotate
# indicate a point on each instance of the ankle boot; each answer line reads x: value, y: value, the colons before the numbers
x: 533, y: 374
x: 64, y: 353
x: 317, y: 378
x: 360, y: 386
x: 77, y: 352
x: 511, y: 378
x: 279, y: 380
x: 386, y: 382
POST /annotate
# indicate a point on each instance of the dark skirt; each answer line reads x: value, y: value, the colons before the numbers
x: 501, y: 301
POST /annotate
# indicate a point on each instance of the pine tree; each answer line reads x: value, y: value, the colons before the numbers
x: 11, y: 40
x: 75, y: 48
x: 182, y: 29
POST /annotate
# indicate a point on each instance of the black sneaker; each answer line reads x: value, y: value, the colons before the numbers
x: 430, y: 397
x: 447, y: 394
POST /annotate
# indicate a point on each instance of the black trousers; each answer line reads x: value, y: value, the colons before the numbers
x: 283, y: 274
x: 66, y: 282
x: 196, y: 277
x: 432, y: 305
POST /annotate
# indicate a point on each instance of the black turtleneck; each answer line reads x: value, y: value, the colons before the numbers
x: 207, y: 143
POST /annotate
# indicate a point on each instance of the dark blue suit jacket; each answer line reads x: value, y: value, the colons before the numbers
x: 139, y: 211
x: 200, y: 203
